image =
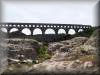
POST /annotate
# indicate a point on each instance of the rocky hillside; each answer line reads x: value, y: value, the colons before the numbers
x: 22, y: 50
x: 78, y: 55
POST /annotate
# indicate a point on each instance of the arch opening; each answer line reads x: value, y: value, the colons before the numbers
x: 26, y: 31
x: 13, y: 30
x: 71, y: 31
x: 37, y: 31
x: 4, y: 30
x: 49, y: 31
x: 80, y: 30
x: 61, y: 31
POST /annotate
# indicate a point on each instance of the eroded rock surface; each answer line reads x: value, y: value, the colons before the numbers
x: 78, y: 55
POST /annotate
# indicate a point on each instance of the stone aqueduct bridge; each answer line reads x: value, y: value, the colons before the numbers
x: 43, y: 27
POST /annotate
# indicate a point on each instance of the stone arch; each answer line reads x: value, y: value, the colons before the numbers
x: 4, y: 30
x: 80, y: 30
x: 26, y: 31
x: 61, y: 31
x: 50, y: 31
x: 71, y: 31
x: 13, y: 30
x: 37, y: 31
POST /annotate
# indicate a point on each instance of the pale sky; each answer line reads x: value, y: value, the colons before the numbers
x: 63, y: 12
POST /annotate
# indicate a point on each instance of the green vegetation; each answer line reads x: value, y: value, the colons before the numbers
x: 43, y: 53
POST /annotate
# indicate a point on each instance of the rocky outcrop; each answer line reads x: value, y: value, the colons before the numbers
x: 77, y: 55
x: 58, y: 67
x: 22, y: 49
x: 67, y: 45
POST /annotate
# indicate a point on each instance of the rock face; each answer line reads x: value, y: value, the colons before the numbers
x: 3, y: 52
x: 68, y: 44
x: 22, y: 49
x: 94, y: 39
x: 64, y: 67
x: 77, y: 55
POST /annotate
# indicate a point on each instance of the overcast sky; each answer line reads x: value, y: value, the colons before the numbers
x: 63, y: 12
x: 68, y: 12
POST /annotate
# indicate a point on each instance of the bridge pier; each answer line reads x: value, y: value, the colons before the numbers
x: 20, y: 30
x: 66, y: 31
x: 85, y: 29
x: 43, y: 32
x: 31, y: 32
x: 76, y: 30
x: 56, y: 31
x: 8, y: 31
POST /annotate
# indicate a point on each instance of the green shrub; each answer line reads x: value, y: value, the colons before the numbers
x: 43, y: 53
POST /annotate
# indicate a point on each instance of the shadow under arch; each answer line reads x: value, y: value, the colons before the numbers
x: 13, y: 30
x: 37, y: 31
x: 49, y: 31
x: 61, y: 31
x: 71, y: 32
x: 26, y: 31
